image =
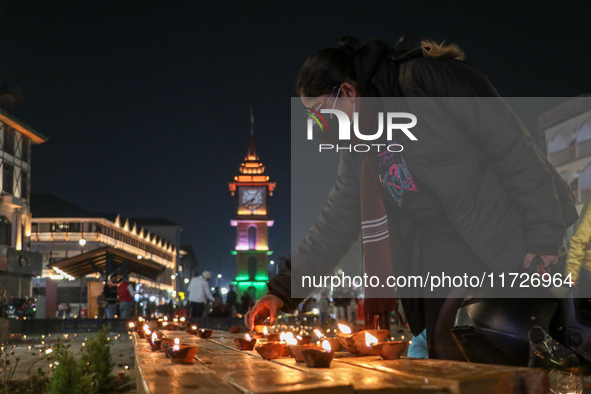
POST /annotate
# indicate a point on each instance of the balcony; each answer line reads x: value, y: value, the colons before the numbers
x: 571, y: 153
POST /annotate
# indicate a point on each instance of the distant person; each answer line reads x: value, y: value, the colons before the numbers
x: 102, y: 305
x: 231, y: 300
x: 578, y: 262
x: 217, y: 296
x: 126, y: 292
x: 245, y: 302
x: 110, y: 293
x: 199, y: 293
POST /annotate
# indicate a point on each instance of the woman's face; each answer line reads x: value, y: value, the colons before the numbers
x: 342, y: 98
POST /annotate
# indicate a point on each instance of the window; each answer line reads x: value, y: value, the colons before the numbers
x: 24, y: 185
x: 252, y: 267
x: 8, y: 139
x: 26, y: 143
x: 8, y: 177
x: 5, y: 231
x: 252, y: 238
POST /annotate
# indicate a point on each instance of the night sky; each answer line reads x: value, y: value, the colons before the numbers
x: 146, y: 104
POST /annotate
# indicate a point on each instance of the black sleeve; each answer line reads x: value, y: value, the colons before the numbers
x: 507, y: 143
x: 331, y: 237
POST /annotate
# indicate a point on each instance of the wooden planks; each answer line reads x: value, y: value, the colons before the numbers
x: 460, y: 377
x: 221, y: 368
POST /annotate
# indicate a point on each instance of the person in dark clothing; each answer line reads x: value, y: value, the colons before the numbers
x: 245, y: 302
x: 510, y: 205
x: 231, y: 300
x: 111, y: 296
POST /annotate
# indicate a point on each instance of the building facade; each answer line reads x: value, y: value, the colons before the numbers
x: 567, y: 132
x: 61, y: 230
x: 251, y: 190
x: 18, y: 265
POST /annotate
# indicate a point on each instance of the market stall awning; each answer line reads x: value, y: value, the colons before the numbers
x: 108, y: 261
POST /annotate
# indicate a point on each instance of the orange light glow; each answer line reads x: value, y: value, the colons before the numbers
x: 326, y: 346
x: 282, y: 337
x: 318, y: 334
x: 265, y: 331
x: 344, y: 329
x: 370, y: 339
x: 248, y: 338
x: 154, y: 337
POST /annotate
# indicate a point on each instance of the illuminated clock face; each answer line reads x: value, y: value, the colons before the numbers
x: 252, y: 199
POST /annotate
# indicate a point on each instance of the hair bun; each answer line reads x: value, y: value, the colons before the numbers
x: 349, y: 44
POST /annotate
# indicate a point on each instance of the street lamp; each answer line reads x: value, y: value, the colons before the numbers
x: 219, y: 277
x: 272, y: 262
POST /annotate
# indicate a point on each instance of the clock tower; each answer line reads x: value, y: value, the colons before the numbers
x: 251, y: 190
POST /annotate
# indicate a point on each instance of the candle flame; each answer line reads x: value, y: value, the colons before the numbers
x: 344, y: 329
x: 194, y: 327
x: 140, y: 319
x: 175, y: 348
x: 370, y: 339
x: 299, y: 337
x: 248, y: 338
x: 177, y: 341
x: 318, y: 334
x: 131, y: 325
x: 326, y: 345
x: 182, y: 319
x: 147, y: 329
x: 165, y: 318
x: 265, y: 331
x: 164, y: 324
x: 154, y: 337
x: 175, y: 320
x: 282, y: 337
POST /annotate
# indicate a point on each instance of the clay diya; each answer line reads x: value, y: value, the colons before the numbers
x: 270, y: 350
x: 246, y: 343
x: 273, y: 336
x: 359, y: 343
x: 235, y: 329
x: 258, y: 331
x: 141, y: 333
x: 191, y: 330
x: 304, y: 340
x: 155, y: 342
x: 296, y: 351
x: 159, y: 335
x: 166, y: 342
x: 182, y: 354
x: 203, y: 333
x: 390, y: 350
x: 318, y: 358
x: 334, y: 343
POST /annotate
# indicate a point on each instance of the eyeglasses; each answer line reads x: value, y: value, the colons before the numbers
x: 326, y: 98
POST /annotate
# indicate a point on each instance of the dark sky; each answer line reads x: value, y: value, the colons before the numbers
x: 146, y: 103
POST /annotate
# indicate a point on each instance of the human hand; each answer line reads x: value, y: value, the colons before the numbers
x: 549, y: 260
x: 267, y: 306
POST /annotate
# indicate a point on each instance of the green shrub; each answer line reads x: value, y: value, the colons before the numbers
x: 68, y: 374
x: 97, y: 362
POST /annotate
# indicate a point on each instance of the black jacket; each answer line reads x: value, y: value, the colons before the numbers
x: 503, y: 196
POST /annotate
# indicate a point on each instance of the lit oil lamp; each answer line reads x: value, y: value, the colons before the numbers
x: 357, y: 343
x: 334, y: 343
x: 304, y: 339
x: 318, y: 358
x: 246, y: 343
x: 203, y: 333
x: 182, y: 354
x: 166, y: 344
x: 191, y: 330
x: 155, y: 341
x: 258, y: 331
x: 273, y: 336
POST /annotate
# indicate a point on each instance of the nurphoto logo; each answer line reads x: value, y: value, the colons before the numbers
x: 344, y: 123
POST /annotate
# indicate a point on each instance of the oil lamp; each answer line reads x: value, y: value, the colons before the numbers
x: 318, y: 358
x: 246, y: 343
x: 356, y: 343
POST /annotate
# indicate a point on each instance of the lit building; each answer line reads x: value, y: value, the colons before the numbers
x: 567, y: 132
x: 64, y: 232
x: 18, y: 265
x: 251, y: 190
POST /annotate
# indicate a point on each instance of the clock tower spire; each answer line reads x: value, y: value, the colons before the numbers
x: 251, y: 189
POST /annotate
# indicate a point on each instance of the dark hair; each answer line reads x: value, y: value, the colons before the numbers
x: 327, y: 68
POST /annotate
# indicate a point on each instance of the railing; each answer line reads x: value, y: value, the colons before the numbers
x: 571, y: 153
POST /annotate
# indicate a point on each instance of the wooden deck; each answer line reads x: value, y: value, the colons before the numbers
x: 221, y: 368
